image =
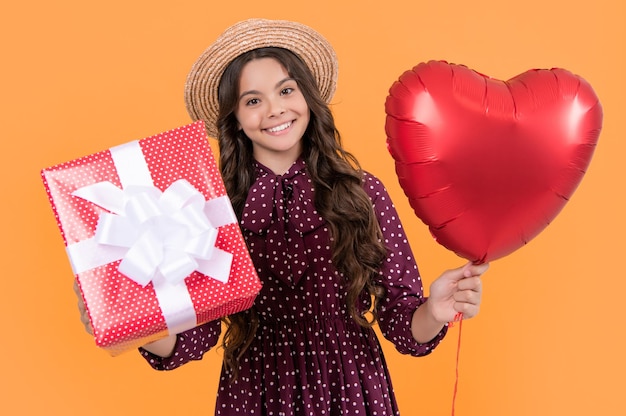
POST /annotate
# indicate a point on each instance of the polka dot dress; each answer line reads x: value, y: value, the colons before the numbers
x: 308, y: 356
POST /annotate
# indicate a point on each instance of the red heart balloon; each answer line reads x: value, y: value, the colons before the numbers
x: 488, y: 164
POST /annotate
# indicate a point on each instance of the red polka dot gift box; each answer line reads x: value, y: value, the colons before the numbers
x: 152, y: 237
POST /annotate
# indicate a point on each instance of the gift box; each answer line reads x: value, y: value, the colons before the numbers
x: 152, y: 237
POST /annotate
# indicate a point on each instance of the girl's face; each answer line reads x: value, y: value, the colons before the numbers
x: 272, y: 112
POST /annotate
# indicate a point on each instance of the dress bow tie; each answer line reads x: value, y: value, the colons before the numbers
x: 282, y: 208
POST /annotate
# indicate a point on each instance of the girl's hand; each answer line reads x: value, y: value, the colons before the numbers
x: 457, y: 291
x: 163, y: 347
x: 84, y: 316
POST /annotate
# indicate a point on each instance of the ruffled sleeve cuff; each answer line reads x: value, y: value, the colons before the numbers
x: 398, y: 331
x: 190, y: 345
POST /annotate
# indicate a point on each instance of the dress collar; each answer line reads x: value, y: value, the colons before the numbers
x: 293, y: 190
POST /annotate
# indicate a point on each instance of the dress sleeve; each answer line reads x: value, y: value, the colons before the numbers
x: 190, y: 345
x: 399, y: 276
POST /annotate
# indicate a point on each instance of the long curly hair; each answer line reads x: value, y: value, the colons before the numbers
x: 357, y: 244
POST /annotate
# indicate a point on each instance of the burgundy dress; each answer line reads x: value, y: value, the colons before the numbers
x: 309, y: 357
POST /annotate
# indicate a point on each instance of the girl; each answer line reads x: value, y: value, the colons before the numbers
x: 324, y: 236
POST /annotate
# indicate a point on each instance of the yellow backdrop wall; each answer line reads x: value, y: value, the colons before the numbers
x: 79, y: 77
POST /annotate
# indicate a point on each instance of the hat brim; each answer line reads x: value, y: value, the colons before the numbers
x: 205, y: 75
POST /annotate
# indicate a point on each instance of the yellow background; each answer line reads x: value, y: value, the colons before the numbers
x: 78, y: 77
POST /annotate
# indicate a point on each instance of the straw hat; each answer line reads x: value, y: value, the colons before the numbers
x: 206, y: 72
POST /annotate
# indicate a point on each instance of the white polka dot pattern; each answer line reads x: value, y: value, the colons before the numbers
x: 308, y: 356
x: 283, y: 211
x: 123, y: 314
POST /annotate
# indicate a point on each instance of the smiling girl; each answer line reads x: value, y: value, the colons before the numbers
x: 323, y: 234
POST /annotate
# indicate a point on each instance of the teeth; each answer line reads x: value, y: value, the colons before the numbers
x: 279, y: 128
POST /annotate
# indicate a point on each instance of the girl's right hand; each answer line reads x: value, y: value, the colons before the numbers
x: 84, y: 316
x: 163, y: 347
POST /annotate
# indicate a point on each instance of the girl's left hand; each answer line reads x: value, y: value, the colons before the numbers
x: 457, y: 291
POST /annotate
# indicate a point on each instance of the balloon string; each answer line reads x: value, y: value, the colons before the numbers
x: 457, y: 318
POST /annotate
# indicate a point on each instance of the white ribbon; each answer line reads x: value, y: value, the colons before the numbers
x: 160, y: 237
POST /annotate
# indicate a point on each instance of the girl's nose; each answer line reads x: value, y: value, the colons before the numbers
x: 276, y: 108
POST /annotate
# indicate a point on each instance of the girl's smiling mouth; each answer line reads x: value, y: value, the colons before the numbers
x: 279, y: 128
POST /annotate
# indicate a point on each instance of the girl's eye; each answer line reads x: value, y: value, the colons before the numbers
x: 286, y: 91
x: 252, y: 101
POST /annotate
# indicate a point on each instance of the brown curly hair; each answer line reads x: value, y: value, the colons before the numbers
x: 358, y: 250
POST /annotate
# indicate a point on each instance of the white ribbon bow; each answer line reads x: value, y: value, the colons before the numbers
x: 168, y: 232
